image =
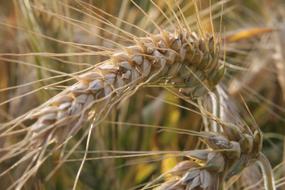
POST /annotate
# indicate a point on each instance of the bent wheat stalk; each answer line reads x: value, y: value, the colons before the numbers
x: 163, y: 58
x: 231, y: 148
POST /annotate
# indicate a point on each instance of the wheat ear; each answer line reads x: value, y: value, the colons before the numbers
x: 164, y: 56
x: 176, y: 58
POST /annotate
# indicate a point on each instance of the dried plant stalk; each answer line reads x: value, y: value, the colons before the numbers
x: 231, y: 148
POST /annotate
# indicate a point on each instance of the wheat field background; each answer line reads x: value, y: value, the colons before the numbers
x: 150, y: 94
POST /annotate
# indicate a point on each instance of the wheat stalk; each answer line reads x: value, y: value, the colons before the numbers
x: 231, y: 147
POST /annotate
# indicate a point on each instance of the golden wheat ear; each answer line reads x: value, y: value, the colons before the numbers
x: 165, y: 55
x: 181, y: 57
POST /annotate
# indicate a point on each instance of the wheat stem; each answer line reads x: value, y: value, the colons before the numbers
x: 268, y: 178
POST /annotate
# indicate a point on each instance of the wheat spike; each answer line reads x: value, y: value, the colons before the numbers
x: 165, y: 55
x: 174, y: 58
